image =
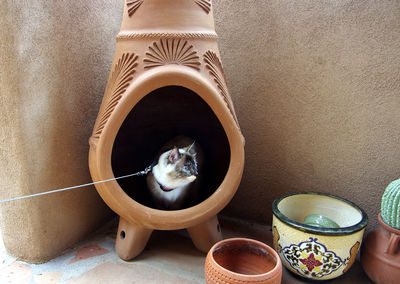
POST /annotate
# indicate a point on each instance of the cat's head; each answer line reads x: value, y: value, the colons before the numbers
x: 178, y: 166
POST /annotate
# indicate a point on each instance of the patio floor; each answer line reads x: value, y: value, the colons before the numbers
x: 169, y: 257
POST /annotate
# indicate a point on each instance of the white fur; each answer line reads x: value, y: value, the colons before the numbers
x: 171, y: 196
x: 181, y: 187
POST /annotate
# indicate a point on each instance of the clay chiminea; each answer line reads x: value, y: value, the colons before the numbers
x: 380, y: 252
x: 166, y: 80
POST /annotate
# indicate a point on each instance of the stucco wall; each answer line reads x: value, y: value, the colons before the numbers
x: 316, y: 87
x: 55, y: 59
x: 315, y: 84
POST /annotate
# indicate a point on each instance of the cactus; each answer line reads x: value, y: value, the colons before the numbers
x: 390, y: 206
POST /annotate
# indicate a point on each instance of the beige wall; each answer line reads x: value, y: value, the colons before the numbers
x: 54, y: 63
x: 316, y: 87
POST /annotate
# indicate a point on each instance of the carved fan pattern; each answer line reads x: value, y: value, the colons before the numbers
x: 133, y: 5
x: 171, y: 51
x: 119, y: 81
x: 204, y: 4
x: 214, y: 66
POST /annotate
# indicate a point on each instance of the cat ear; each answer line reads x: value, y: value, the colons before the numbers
x: 190, y: 149
x: 174, y: 155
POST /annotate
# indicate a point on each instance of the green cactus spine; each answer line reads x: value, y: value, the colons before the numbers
x: 390, y: 206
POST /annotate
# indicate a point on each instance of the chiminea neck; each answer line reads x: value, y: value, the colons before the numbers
x: 167, y: 16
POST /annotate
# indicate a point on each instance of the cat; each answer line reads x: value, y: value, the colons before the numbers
x: 174, y: 180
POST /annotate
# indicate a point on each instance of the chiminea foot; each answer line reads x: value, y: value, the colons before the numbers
x: 206, y: 234
x: 131, y: 239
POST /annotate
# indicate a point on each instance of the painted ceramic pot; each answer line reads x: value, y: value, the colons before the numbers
x: 312, y: 252
x: 380, y: 255
x: 241, y: 260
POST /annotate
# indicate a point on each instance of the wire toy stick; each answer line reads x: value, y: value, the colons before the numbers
x: 140, y: 173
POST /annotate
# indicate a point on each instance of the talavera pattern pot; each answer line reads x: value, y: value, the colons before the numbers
x: 166, y: 80
x: 312, y: 252
x: 380, y: 254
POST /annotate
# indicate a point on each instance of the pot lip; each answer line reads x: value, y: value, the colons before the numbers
x: 270, y: 250
x: 386, y: 226
x: 318, y: 230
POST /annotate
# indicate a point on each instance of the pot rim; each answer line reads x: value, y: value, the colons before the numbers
x: 320, y: 230
x: 386, y: 226
x: 270, y: 250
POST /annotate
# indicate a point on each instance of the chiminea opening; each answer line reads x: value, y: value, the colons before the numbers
x: 157, y: 118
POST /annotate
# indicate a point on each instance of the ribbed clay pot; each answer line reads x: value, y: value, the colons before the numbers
x: 241, y: 261
x: 166, y: 80
x: 380, y: 254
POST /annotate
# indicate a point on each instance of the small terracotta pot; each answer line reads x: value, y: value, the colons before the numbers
x: 241, y: 260
x: 380, y: 254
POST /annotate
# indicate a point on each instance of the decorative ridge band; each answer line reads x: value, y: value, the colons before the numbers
x: 192, y: 35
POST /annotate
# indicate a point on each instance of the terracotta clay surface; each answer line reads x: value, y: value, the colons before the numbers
x: 241, y: 260
x: 380, y: 254
x: 166, y: 79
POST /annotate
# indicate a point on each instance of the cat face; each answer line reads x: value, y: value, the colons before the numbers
x: 184, y: 162
x: 177, y: 167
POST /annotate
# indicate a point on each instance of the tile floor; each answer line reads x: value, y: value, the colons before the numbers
x: 169, y: 257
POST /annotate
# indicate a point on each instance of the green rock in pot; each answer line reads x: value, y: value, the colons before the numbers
x: 318, y: 220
